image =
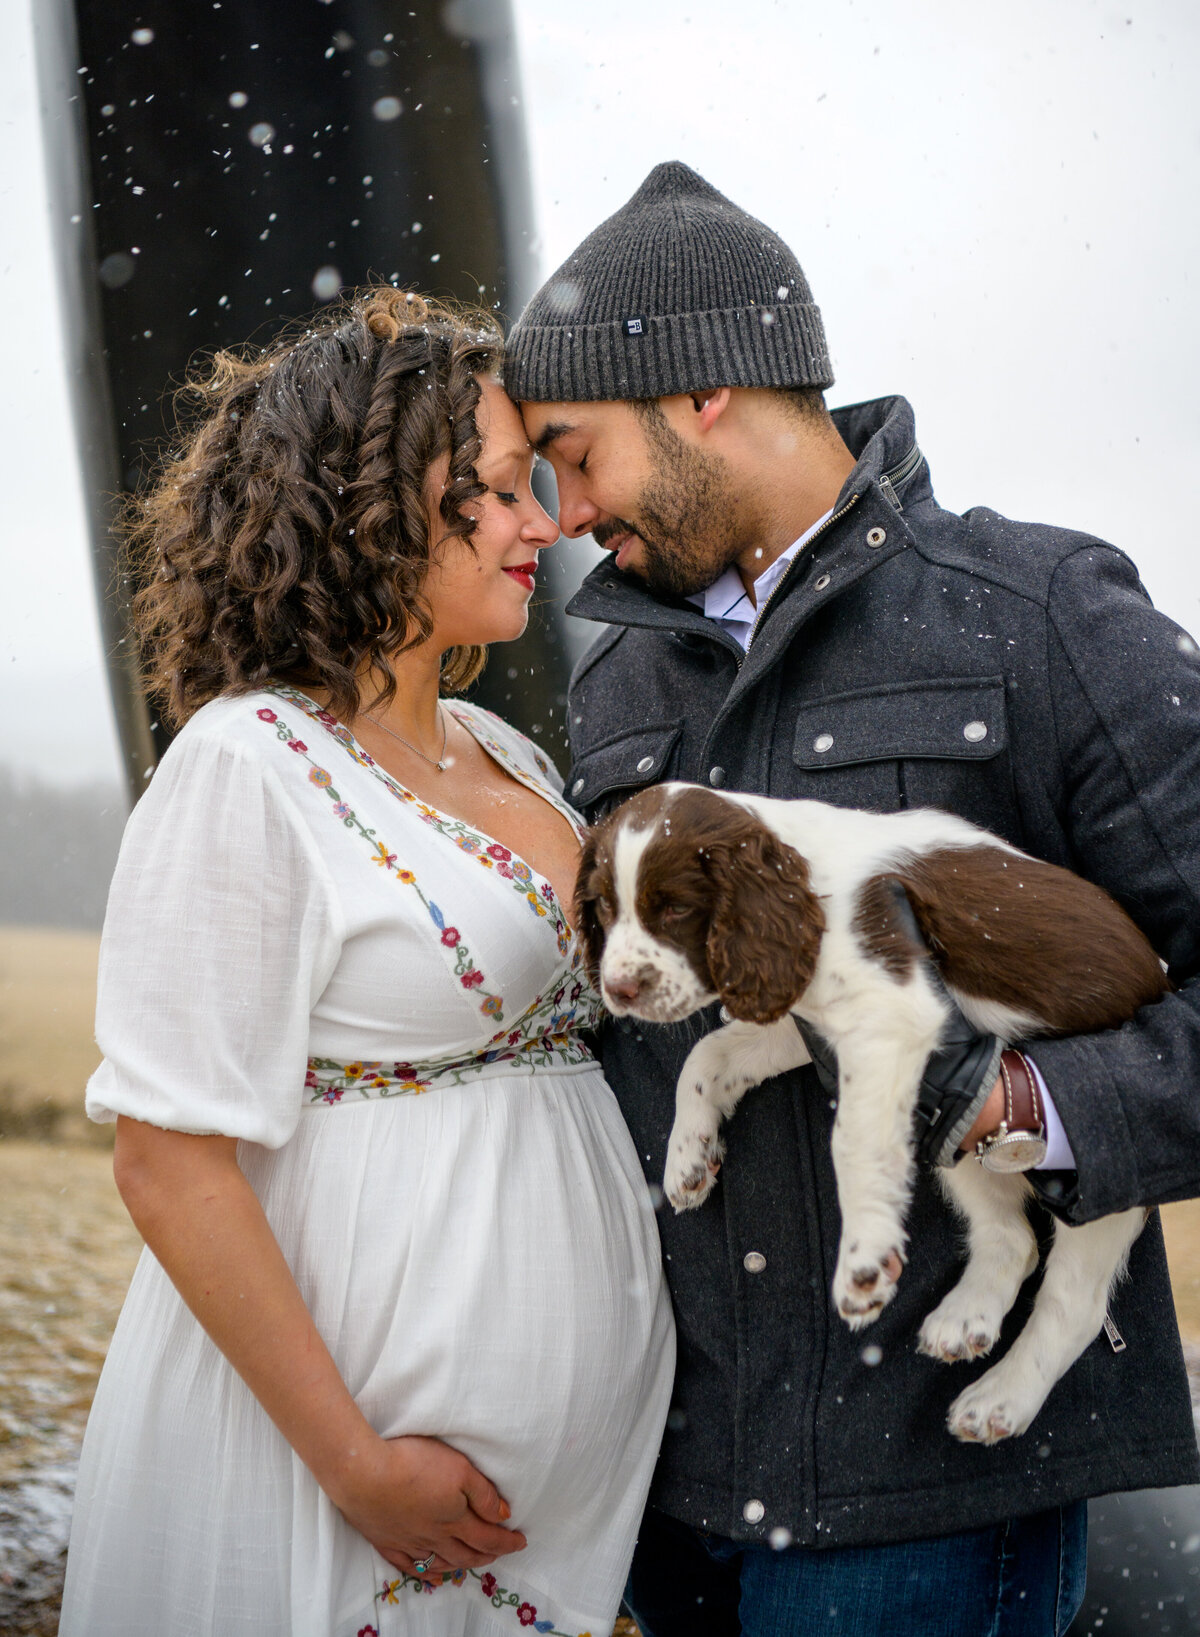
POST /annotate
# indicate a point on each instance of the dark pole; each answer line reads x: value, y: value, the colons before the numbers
x: 219, y: 168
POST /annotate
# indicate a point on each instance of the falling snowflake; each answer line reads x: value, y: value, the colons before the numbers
x: 326, y: 284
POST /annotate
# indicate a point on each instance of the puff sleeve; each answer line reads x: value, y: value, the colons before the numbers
x: 222, y: 930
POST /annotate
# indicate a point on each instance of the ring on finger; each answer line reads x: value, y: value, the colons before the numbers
x: 423, y: 1564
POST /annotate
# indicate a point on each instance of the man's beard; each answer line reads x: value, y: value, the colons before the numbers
x: 688, y: 523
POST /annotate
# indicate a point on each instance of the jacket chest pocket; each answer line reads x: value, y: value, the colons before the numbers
x: 940, y: 743
x: 607, y: 774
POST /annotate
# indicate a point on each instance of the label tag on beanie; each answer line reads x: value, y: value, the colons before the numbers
x: 636, y: 325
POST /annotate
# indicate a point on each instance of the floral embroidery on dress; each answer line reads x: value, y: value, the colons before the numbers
x: 464, y: 968
x: 545, y: 1036
x: 490, y: 854
x: 499, y: 1596
x: 328, y: 1082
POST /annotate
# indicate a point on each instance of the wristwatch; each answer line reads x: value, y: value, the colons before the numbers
x: 1019, y: 1141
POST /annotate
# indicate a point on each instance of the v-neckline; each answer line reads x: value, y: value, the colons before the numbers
x: 445, y: 821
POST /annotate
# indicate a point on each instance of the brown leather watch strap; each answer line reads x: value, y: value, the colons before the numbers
x: 1022, y: 1105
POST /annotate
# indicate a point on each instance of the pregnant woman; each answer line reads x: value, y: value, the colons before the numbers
x: 398, y: 1353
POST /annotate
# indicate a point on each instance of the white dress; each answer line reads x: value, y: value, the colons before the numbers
x: 383, y: 1005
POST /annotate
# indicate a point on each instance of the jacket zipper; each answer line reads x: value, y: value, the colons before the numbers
x: 828, y: 524
x: 897, y: 474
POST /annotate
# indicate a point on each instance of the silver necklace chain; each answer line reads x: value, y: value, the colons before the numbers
x: 440, y: 761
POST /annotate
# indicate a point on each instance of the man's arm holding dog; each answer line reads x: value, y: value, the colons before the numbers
x: 1125, y: 698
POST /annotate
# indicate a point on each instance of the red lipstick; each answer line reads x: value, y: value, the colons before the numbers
x: 523, y: 573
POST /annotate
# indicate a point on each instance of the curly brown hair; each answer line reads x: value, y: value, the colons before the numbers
x: 287, y: 540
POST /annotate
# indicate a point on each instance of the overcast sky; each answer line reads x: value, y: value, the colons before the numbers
x: 995, y: 207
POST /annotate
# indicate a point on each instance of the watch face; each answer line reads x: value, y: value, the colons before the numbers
x: 1018, y: 1151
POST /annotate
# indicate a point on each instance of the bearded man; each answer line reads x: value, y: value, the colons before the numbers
x: 790, y: 612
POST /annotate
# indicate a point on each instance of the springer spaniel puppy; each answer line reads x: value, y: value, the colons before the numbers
x: 687, y: 896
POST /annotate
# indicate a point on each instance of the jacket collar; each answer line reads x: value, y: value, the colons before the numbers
x: 889, y: 476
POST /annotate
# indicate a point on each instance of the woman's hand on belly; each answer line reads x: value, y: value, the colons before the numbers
x: 202, y: 1220
x: 420, y: 1502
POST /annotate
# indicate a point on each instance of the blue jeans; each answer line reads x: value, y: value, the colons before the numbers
x: 1024, y: 1578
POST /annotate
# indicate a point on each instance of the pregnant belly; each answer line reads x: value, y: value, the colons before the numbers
x: 483, y: 1262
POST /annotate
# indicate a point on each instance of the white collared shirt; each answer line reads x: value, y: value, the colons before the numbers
x: 725, y: 600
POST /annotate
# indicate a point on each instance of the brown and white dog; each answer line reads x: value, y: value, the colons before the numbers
x: 686, y: 897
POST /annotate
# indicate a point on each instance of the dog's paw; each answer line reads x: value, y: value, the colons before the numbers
x: 992, y: 1409
x: 694, y: 1157
x: 963, y: 1326
x: 865, y: 1282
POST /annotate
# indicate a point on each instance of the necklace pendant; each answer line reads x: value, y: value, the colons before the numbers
x: 441, y: 766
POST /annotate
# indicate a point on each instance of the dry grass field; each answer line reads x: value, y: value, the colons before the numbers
x: 1181, y: 1229
x: 47, y: 1001
x: 67, y: 1250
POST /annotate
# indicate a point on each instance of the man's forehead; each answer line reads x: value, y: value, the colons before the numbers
x: 546, y: 423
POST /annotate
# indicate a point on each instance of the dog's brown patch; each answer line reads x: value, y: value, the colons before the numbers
x: 882, y: 929
x: 1019, y: 931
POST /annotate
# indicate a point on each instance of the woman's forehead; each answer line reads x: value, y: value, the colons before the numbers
x: 499, y: 423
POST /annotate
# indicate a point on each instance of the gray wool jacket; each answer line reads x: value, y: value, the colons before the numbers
x: 898, y: 626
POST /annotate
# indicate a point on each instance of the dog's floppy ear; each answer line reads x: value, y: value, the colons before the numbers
x: 588, y: 883
x: 766, y: 928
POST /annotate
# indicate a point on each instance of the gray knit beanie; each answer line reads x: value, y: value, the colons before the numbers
x: 677, y: 291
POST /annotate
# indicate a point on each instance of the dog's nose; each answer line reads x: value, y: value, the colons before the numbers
x: 624, y: 989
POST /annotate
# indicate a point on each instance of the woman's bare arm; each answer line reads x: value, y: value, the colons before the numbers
x: 202, y: 1220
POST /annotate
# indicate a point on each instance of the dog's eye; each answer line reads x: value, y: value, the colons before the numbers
x: 604, y: 912
x: 673, y: 912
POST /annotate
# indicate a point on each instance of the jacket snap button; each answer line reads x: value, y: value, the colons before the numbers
x: 716, y: 777
x: 646, y: 763
x: 975, y: 731
x: 754, y: 1511
x: 823, y: 742
x: 754, y: 1261
x: 876, y: 537
x: 820, y: 584
x: 577, y: 787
